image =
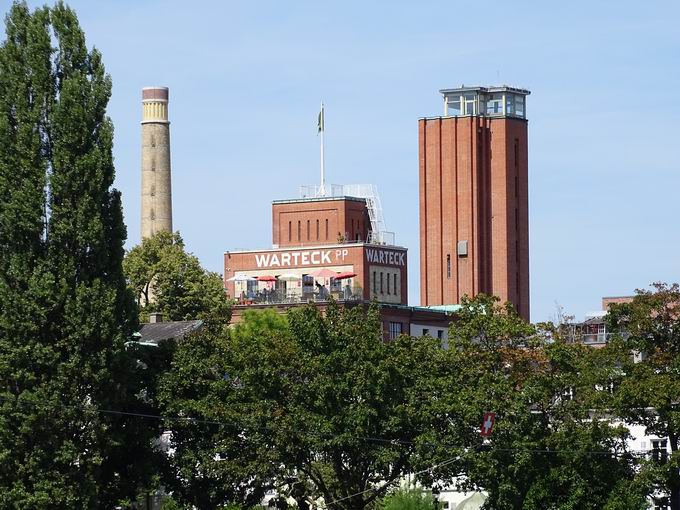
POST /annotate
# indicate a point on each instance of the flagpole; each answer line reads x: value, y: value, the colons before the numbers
x: 322, y: 188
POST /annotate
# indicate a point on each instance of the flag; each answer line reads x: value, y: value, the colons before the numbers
x: 320, y: 120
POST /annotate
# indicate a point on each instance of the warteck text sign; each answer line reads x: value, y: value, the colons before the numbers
x: 301, y: 258
x: 393, y: 258
x: 326, y: 257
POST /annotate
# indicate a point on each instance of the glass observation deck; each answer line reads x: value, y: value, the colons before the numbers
x: 485, y: 101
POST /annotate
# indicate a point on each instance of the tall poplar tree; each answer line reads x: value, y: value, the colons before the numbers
x: 66, y: 314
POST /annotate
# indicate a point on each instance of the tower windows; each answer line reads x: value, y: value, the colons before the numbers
x: 308, y: 234
x: 470, y: 104
x: 494, y: 106
x: 326, y: 229
x: 381, y: 283
x: 317, y: 230
x: 299, y: 231
x: 388, y: 284
x: 448, y: 265
x: 290, y: 231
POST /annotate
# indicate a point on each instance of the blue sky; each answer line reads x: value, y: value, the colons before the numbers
x: 246, y: 80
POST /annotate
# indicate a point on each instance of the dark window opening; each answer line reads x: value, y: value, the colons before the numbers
x: 381, y: 283
x: 308, y: 234
x: 388, y: 284
x: 299, y: 232
x: 395, y: 330
x: 448, y: 266
x: 290, y: 230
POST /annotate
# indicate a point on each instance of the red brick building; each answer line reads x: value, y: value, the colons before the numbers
x: 474, y: 224
x: 321, y: 249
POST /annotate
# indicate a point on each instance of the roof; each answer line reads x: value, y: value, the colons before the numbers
x: 318, y: 199
x: 443, y: 309
x: 308, y: 247
x: 159, y: 331
x: 501, y: 88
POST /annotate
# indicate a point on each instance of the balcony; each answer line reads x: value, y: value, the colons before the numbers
x: 282, y: 297
x: 595, y: 338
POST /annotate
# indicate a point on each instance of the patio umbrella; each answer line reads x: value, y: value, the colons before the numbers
x: 266, y: 278
x: 289, y: 277
x: 324, y: 273
x: 241, y: 278
x: 344, y: 276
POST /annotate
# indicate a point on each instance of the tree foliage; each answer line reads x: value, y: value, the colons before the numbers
x: 321, y: 397
x: 165, y: 278
x: 547, y: 450
x: 649, y: 393
x: 66, y: 313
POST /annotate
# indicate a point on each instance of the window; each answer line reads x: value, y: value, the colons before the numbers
x: 388, y: 283
x: 326, y: 229
x: 375, y: 283
x: 395, y: 330
x: 453, y: 106
x: 519, y: 106
x: 299, y: 232
x: 308, y: 234
x: 290, y: 230
x: 317, y: 230
x: 381, y: 283
x: 440, y: 334
x: 469, y: 104
x: 448, y: 266
x: 494, y: 106
x: 395, y: 284
x: 426, y: 331
x: 510, y: 104
x: 660, y: 503
x: 659, y: 450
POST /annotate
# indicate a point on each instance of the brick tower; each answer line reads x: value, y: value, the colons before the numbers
x: 474, y: 224
x: 156, y: 182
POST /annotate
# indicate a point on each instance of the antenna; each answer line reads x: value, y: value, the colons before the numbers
x: 322, y: 187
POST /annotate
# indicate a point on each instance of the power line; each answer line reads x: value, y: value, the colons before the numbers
x: 387, y: 484
x: 393, y: 442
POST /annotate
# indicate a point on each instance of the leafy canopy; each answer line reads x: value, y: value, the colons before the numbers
x: 165, y: 278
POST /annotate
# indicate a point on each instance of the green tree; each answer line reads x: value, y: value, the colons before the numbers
x: 547, y: 449
x: 66, y: 313
x: 317, y: 403
x: 649, y: 394
x: 404, y: 499
x: 344, y: 405
x: 165, y: 278
x: 220, y: 450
